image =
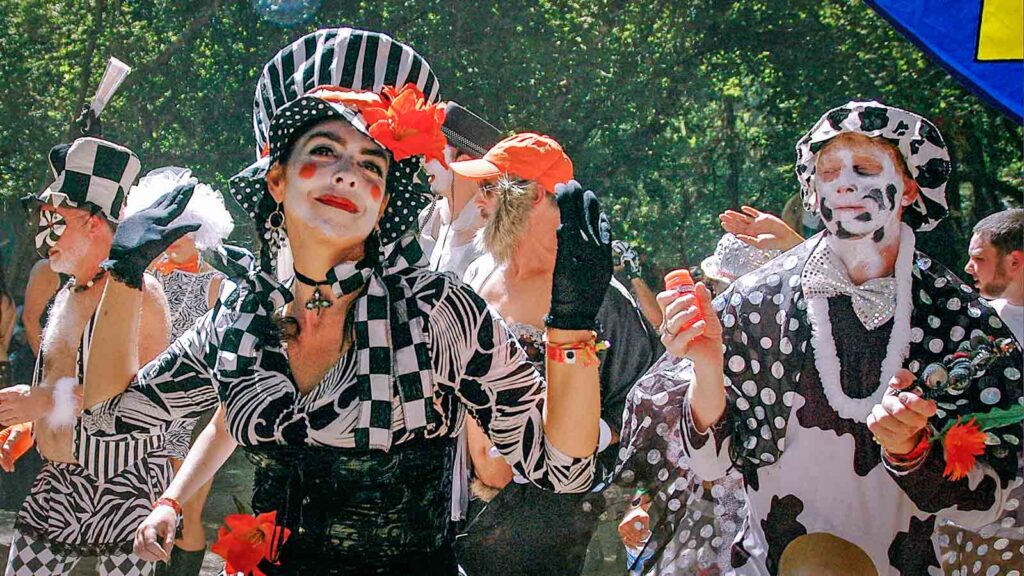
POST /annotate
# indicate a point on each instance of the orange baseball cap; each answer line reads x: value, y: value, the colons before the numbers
x: 527, y: 155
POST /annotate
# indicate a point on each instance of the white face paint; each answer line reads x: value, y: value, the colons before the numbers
x: 860, y: 191
x: 441, y: 178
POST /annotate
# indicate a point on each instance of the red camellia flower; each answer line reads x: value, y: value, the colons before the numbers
x: 246, y: 540
x: 408, y: 125
x: 962, y: 445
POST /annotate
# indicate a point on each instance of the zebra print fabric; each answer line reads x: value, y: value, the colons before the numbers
x: 476, y: 368
x: 74, y: 512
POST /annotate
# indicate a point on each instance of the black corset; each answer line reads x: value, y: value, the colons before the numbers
x: 358, y: 512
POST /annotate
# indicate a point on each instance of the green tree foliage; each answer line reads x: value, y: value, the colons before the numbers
x: 673, y: 111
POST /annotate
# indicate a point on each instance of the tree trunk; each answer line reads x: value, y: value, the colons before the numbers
x: 732, y: 158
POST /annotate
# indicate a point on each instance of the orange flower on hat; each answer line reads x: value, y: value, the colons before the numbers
x: 246, y: 540
x: 962, y: 445
x: 408, y: 125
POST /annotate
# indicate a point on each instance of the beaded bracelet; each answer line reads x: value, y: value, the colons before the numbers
x: 583, y: 353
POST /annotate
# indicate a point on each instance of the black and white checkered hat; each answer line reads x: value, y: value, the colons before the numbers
x: 917, y: 139
x: 91, y: 174
x: 352, y: 59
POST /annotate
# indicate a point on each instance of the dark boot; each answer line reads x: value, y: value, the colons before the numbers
x: 183, y: 563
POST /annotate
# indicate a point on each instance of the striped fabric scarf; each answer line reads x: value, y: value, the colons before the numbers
x: 390, y: 334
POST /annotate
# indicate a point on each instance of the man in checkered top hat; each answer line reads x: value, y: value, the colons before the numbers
x: 88, y: 497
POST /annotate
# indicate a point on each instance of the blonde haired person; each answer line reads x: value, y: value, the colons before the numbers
x: 523, y: 530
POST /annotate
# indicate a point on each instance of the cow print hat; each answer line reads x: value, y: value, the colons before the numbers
x: 917, y: 139
x: 344, y: 57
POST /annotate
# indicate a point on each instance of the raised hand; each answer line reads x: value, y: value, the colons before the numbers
x: 761, y: 230
x: 691, y: 328
x: 583, y: 265
x: 626, y: 258
x: 146, y: 234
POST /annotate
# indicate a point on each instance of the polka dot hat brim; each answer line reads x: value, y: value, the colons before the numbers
x: 409, y: 191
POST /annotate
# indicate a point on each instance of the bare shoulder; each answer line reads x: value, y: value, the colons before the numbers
x: 42, y: 279
x: 153, y: 297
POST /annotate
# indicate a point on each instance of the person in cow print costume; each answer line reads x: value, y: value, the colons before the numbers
x: 809, y: 400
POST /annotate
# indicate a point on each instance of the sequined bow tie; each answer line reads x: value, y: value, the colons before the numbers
x: 874, y: 301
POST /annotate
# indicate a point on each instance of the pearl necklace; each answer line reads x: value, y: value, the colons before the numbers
x: 826, y: 359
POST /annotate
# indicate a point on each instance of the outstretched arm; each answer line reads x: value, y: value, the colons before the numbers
x: 138, y: 240
x: 155, y: 536
x: 761, y: 230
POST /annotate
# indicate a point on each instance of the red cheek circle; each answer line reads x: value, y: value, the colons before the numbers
x: 307, y: 171
x: 376, y: 193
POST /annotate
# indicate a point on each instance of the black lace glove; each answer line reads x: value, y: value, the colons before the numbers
x: 146, y: 234
x: 583, y: 266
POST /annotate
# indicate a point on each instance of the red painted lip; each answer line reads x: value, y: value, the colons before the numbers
x: 850, y: 207
x: 340, y: 203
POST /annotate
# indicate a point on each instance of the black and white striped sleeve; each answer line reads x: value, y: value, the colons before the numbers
x: 479, y: 360
x: 178, y: 383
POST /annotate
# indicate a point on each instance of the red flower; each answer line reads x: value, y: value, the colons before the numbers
x: 962, y: 445
x: 408, y: 125
x: 246, y: 540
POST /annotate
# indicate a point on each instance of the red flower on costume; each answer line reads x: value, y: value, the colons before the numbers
x: 407, y: 125
x: 962, y: 445
x: 246, y: 540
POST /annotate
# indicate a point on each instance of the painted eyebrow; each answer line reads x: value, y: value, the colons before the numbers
x: 376, y: 152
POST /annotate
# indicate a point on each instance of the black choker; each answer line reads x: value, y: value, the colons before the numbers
x: 76, y: 287
x: 317, y: 301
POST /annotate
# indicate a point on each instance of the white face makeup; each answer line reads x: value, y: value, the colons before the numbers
x: 860, y: 190
x: 334, y: 184
x: 441, y: 178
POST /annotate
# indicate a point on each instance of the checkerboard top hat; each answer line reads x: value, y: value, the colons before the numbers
x: 91, y: 174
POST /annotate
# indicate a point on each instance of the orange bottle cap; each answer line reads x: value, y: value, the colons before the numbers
x: 677, y: 279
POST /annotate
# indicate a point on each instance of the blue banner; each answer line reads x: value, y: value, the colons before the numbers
x: 980, y: 42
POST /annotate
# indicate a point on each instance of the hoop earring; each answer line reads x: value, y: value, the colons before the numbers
x: 274, y: 224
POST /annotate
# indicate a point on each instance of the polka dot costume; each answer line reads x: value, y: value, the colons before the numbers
x: 693, y: 522
x: 808, y: 469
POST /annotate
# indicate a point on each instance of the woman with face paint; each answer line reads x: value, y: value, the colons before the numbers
x: 342, y: 366
x: 809, y: 400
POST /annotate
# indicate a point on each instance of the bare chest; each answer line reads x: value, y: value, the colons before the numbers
x: 313, y: 353
x: 518, y: 301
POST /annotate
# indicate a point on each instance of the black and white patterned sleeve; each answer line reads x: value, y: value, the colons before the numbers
x: 479, y: 361
x: 176, y: 384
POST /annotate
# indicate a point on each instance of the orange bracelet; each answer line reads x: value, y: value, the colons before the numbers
x: 915, y: 456
x: 583, y: 353
x: 164, y: 501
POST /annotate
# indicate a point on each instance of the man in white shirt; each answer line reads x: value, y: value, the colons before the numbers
x: 448, y: 227
x: 997, y: 265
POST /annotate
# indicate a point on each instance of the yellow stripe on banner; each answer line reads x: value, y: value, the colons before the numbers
x: 1002, y: 30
